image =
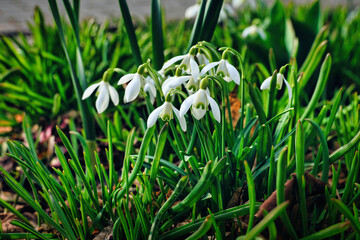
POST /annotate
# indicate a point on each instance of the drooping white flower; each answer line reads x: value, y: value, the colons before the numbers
x: 177, y: 80
x: 279, y: 82
x: 173, y: 82
x: 226, y: 11
x: 202, y: 59
x: 106, y: 91
x: 132, y: 90
x: 165, y: 112
x: 254, y: 31
x: 224, y: 69
x: 188, y: 63
x: 199, y: 102
x: 192, y: 11
x: 237, y: 3
x: 137, y: 81
x: 150, y: 88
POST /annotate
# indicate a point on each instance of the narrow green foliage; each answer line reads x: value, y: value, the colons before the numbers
x: 156, y: 161
x: 355, y: 223
x: 300, y: 170
x: 170, y: 201
x: 252, y: 195
x: 267, y: 220
x: 204, y: 227
x: 351, y: 179
x: 328, y: 232
x: 323, y: 77
x: 325, y: 151
x: 146, y: 141
x: 130, y: 30
x: 157, y: 34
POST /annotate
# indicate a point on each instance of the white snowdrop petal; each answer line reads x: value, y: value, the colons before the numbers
x: 173, y: 82
x: 152, y: 89
x: 165, y: 86
x: 208, y: 67
x: 248, y: 31
x: 279, y: 80
x: 102, y: 102
x: 261, y: 33
x: 194, y: 67
x: 90, y: 90
x: 172, y: 61
x: 186, y: 104
x: 198, y: 113
x: 126, y: 78
x: 114, y: 95
x: 132, y: 90
x: 154, y: 116
x: 214, y: 108
x: 266, y: 84
x: 234, y: 74
x: 182, y: 120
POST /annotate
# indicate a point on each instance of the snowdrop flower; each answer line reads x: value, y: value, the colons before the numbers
x: 253, y: 31
x: 106, y: 91
x: 202, y: 59
x: 165, y: 112
x: 279, y: 82
x: 149, y: 87
x: 192, y: 11
x: 188, y: 62
x: 173, y: 82
x: 199, y: 102
x: 137, y: 81
x: 237, y: 3
x: 226, y: 10
x: 224, y: 69
x: 177, y: 80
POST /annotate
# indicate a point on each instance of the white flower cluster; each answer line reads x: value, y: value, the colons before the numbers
x: 194, y: 73
x: 196, y: 83
x: 187, y: 73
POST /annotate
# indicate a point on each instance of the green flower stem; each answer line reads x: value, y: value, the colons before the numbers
x: 202, y: 140
x: 272, y: 95
x: 192, y: 141
x: 257, y: 104
x: 229, y: 114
